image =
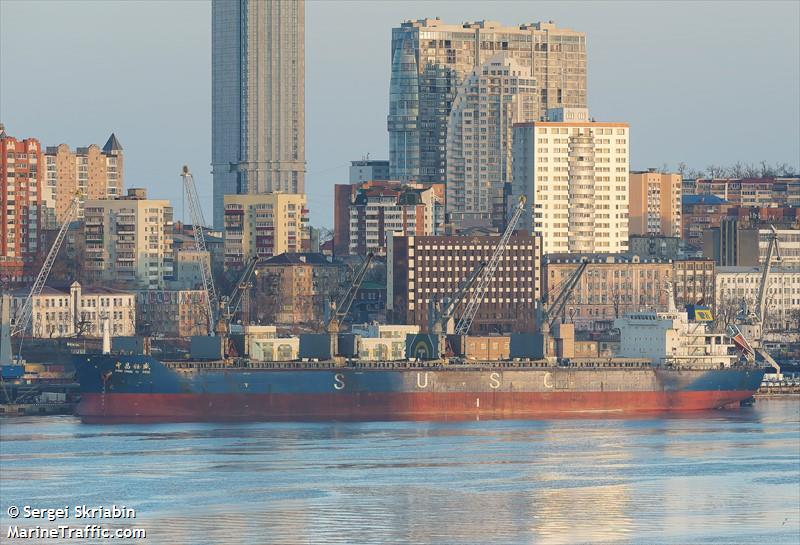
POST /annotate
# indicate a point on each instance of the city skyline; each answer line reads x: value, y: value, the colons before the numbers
x: 697, y: 109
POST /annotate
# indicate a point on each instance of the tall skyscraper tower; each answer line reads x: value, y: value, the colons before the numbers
x: 258, y: 98
x: 430, y: 60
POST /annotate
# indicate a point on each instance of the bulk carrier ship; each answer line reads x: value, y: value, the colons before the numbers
x: 671, y: 364
x: 666, y: 362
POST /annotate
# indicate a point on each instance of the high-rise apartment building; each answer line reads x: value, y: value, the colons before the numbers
x: 365, y: 212
x: 655, y: 203
x: 493, y: 97
x: 128, y: 241
x: 95, y: 173
x: 264, y: 225
x: 575, y: 177
x: 429, y: 62
x: 21, y: 205
x: 379, y: 208
x: 258, y: 98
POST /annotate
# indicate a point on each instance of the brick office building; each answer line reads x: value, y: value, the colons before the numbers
x: 423, y: 268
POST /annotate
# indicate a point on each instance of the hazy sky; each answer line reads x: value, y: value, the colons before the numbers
x: 705, y: 83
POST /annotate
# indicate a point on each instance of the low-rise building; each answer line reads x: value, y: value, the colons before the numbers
x: 701, y: 212
x: 755, y: 192
x: 295, y: 288
x: 611, y: 286
x: 423, y: 270
x: 733, y: 243
x: 78, y: 311
x: 615, y: 284
x: 172, y: 313
x: 738, y: 286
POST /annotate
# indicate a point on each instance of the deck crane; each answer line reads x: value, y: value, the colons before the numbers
x: 487, y: 273
x: 342, y: 306
x: 548, y: 314
x: 751, y: 329
x: 442, y: 320
x: 198, y: 221
x: 24, y: 318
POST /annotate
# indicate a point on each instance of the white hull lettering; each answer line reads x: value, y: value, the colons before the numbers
x: 338, y: 381
x: 494, y: 381
x: 422, y: 380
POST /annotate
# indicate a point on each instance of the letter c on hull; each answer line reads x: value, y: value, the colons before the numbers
x: 547, y: 382
x: 338, y: 381
x: 494, y: 382
x: 422, y: 383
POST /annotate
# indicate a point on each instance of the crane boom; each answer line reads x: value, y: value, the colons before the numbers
x: 27, y: 309
x: 235, y: 298
x: 772, y: 250
x: 196, y: 211
x: 346, y: 300
x: 551, y: 313
x: 486, y: 275
x: 439, y: 321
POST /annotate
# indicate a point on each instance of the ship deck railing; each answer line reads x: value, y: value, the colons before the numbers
x: 614, y: 363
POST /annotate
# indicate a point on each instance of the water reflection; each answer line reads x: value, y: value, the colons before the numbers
x: 718, y: 477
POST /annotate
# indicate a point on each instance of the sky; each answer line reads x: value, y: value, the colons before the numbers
x: 699, y: 82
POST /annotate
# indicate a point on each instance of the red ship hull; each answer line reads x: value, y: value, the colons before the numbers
x: 391, y: 406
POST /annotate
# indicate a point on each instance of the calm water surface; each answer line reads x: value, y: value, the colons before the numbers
x: 717, y: 477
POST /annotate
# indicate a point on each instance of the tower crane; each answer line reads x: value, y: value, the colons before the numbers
x: 212, y: 301
x: 487, y: 273
x: 24, y: 319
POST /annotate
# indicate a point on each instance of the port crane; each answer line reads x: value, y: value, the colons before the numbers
x: 750, y: 331
x: 486, y: 274
x: 198, y: 221
x: 230, y: 304
x: 342, y: 306
x: 24, y: 318
x: 548, y: 312
x: 442, y: 320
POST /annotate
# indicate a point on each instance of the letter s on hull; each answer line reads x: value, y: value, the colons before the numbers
x: 338, y: 381
x: 494, y: 381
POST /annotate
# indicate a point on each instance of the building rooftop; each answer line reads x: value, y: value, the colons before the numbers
x: 702, y: 199
x: 112, y: 144
x: 64, y: 290
x: 754, y: 270
x: 307, y: 258
x: 603, y: 258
